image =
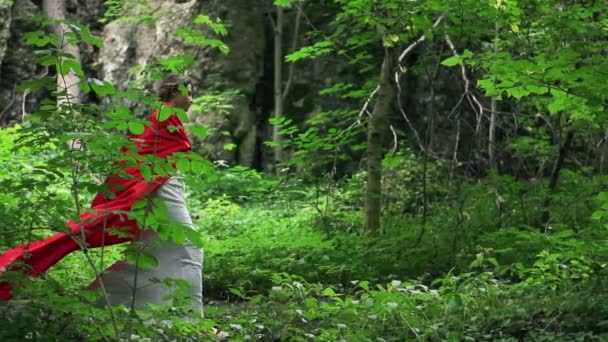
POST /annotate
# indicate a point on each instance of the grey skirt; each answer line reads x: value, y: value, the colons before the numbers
x: 179, y: 265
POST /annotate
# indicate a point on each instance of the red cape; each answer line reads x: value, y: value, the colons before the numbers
x: 160, y: 139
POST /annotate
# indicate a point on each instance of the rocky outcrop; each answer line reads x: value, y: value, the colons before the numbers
x: 5, y: 25
x: 248, y: 68
x: 139, y: 44
x: 16, y: 62
x: 241, y: 69
x: 136, y: 44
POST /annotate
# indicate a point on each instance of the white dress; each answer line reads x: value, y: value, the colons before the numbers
x: 124, y: 281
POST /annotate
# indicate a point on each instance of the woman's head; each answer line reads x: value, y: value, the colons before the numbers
x: 177, y: 90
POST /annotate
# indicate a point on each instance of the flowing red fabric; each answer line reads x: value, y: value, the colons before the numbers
x: 160, y: 138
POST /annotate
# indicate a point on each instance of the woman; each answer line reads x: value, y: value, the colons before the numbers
x: 124, y: 283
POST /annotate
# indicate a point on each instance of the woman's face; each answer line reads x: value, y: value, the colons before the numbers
x: 183, y: 98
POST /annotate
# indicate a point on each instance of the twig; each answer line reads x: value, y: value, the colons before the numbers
x: 28, y: 91
x: 25, y: 93
x: 272, y: 22
x: 455, y: 154
x: 419, y: 40
x: 473, y: 101
x: 10, y: 103
x: 453, y: 110
x: 395, y: 140
x: 401, y: 70
x: 402, y: 111
x: 366, y: 104
x: 293, y: 49
x: 305, y: 16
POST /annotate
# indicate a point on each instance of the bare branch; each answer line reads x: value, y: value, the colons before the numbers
x: 409, y: 123
x: 455, y: 154
x: 395, y: 140
x: 402, y: 71
x: 473, y: 101
x: 25, y: 94
x: 453, y: 110
x: 294, y: 45
x: 366, y: 104
x: 10, y: 103
x: 418, y: 41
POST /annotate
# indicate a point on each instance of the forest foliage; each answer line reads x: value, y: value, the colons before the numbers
x: 494, y: 215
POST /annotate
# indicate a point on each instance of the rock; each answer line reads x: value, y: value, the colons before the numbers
x: 17, y: 62
x: 5, y: 24
x: 248, y: 68
x: 138, y: 44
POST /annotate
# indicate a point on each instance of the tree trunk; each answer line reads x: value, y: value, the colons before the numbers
x: 563, y: 150
x: 278, y: 84
x: 67, y: 84
x: 377, y: 128
x: 492, y: 128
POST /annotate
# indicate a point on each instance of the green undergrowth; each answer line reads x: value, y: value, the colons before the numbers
x: 286, y: 261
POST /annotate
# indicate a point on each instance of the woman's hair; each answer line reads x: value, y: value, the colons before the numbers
x: 169, y: 86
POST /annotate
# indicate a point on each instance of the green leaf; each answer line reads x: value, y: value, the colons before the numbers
x: 48, y: 60
x: 84, y: 86
x: 558, y: 104
x: 217, y: 26
x: 48, y: 82
x: 146, y: 171
x: 603, y: 196
x: 177, y: 233
x: 336, y: 88
x: 518, y: 92
x: 39, y: 39
x: 598, y: 215
x: 136, y: 127
x: 88, y: 38
x: 159, y: 211
x: 316, y: 50
x: 101, y: 88
x: 201, y: 167
x: 197, y: 38
x: 284, y: 3
x: 68, y: 65
x: 329, y: 292
x: 160, y: 170
x: 457, y: 59
x: 181, y: 114
x: 454, y: 60
x: 177, y: 63
x: 201, y: 131
x: 194, y: 236
x: 164, y: 113
x: 183, y: 164
x: 143, y: 259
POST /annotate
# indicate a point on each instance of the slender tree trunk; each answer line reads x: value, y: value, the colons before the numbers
x: 492, y: 128
x: 377, y: 128
x: 492, y: 135
x: 563, y: 150
x: 278, y: 82
x: 67, y: 84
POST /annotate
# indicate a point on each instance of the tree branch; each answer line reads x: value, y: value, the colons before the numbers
x: 294, y: 45
x: 402, y: 71
x: 473, y: 101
